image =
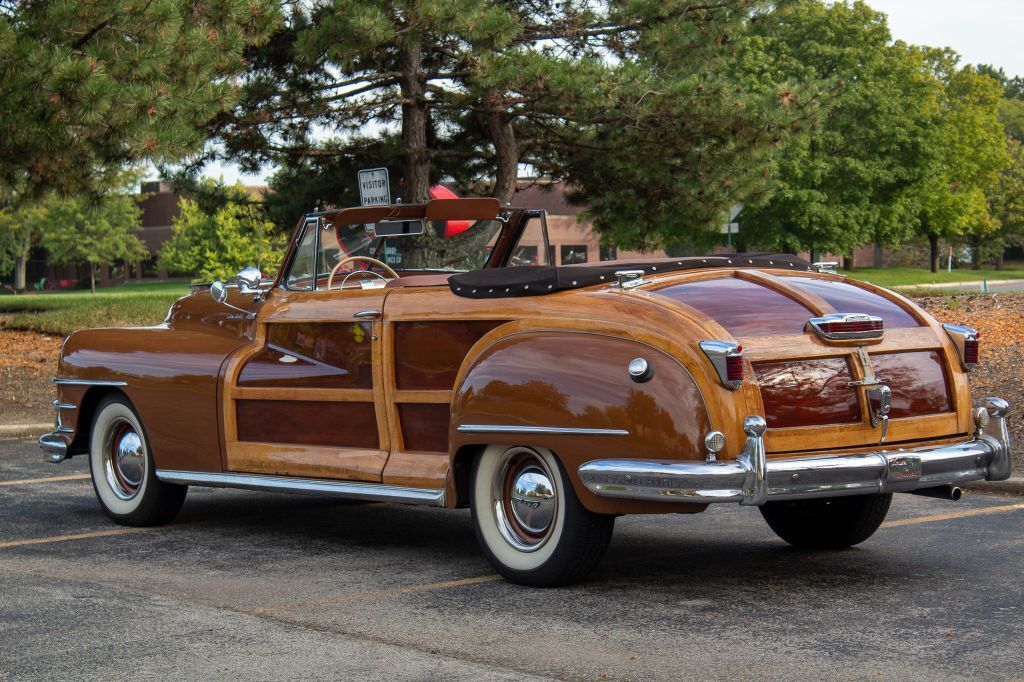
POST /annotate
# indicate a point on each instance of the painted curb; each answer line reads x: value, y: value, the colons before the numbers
x: 1011, y: 486
x: 24, y: 430
x: 957, y: 285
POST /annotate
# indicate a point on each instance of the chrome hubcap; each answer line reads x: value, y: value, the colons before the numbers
x: 124, y: 459
x: 533, y: 500
x: 524, y: 499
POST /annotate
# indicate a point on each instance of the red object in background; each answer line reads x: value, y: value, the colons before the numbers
x: 452, y: 227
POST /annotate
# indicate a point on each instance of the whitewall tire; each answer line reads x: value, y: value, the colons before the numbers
x: 122, y: 468
x: 528, y: 520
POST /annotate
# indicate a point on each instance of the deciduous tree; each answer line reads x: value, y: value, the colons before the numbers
x: 852, y: 179
x: 94, y: 231
x: 216, y: 244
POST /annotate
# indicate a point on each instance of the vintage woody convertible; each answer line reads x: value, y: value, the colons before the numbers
x: 432, y: 354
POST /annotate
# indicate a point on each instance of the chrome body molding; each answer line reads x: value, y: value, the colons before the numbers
x: 539, y: 430
x: 88, y: 382
x: 753, y: 479
x: 375, y: 492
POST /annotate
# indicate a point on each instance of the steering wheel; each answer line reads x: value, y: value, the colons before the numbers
x: 371, y: 261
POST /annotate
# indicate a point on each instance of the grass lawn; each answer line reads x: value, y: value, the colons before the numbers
x: 118, y: 306
x: 897, y: 277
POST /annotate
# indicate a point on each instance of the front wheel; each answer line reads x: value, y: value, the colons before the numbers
x: 528, y: 520
x: 122, y: 469
x: 829, y: 523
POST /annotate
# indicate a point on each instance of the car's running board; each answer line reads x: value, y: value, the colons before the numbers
x: 375, y: 492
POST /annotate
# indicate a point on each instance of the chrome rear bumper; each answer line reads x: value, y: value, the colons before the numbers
x: 753, y: 479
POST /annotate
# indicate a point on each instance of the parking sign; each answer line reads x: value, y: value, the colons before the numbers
x: 374, y: 187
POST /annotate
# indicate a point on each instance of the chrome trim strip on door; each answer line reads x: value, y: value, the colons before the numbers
x: 539, y: 430
x: 88, y: 382
x: 375, y: 492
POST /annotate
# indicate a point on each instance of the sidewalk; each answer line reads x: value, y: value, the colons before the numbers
x: 1000, y: 284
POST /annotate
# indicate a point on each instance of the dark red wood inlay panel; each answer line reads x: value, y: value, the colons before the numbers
x: 308, y: 422
x: 428, y: 355
x: 809, y: 392
x: 743, y: 308
x: 328, y: 355
x: 849, y: 298
x: 425, y: 426
x: 918, y: 382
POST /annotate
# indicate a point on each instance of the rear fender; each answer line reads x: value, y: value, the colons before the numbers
x: 570, y: 391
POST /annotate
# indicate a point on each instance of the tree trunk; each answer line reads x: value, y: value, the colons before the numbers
x: 414, y: 123
x: 933, y: 245
x: 21, y: 264
x: 999, y: 258
x: 878, y: 259
x: 975, y: 252
x: 848, y: 263
x: 92, y: 277
x: 506, y: 152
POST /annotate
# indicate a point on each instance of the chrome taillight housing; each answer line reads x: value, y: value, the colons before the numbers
x: 844, y: 326
x: 966, y: 341
x: 727, y: 359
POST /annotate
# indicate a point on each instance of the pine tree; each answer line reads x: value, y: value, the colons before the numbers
x: 89, y: 84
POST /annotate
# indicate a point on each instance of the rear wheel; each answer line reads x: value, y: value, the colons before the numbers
x: 122, y: 469
x: 829, y: 523
x: 528, y: 520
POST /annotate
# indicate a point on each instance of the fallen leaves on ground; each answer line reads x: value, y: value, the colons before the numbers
x: 27, y: 363
x: 1000, y: 372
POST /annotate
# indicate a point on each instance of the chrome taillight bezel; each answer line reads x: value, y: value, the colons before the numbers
x: 966, y: 341
x: 727, y: 359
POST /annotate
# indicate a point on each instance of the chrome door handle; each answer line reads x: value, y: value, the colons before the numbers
x: 367, y: 315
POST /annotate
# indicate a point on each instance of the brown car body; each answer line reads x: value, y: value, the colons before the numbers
x: 402, y: 386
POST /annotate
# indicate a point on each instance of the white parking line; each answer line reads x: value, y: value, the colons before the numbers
x: 48, y: 479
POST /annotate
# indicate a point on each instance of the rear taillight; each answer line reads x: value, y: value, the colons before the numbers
x: 966, y: 341
x: 842, y: 326
x: 734, y: 366
x: 727, y: 359
x: 971, y: 351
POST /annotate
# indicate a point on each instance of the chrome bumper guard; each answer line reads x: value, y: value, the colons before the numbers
x: 54, y: 446
x: 752, y: 479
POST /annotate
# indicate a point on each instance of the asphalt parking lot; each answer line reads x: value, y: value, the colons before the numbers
x: 287, y: 587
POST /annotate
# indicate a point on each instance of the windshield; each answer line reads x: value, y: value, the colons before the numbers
x: 445, y: 246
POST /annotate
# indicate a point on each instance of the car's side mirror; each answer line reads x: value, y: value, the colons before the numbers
x: 249, y: 280
x: 219, y: 293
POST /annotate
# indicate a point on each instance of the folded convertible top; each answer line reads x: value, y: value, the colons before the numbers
x: 535, y: 280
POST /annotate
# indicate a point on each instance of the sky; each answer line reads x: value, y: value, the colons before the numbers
x: 982, y: 31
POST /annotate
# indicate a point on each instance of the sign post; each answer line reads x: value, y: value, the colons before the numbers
x: 374, y: 187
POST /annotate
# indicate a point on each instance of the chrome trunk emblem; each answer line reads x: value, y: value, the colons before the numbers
x: 847, y: 326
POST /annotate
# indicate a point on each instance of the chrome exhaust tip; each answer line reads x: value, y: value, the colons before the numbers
x: 942, y: 492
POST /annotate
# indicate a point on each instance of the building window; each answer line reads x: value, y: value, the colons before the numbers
x: 609, y: 252
x: 574, y: 253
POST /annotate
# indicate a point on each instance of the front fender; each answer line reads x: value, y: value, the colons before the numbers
x: 570, y: 392
x: 170, y: 375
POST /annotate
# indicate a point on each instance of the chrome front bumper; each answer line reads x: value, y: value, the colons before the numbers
x: 753, y: 479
